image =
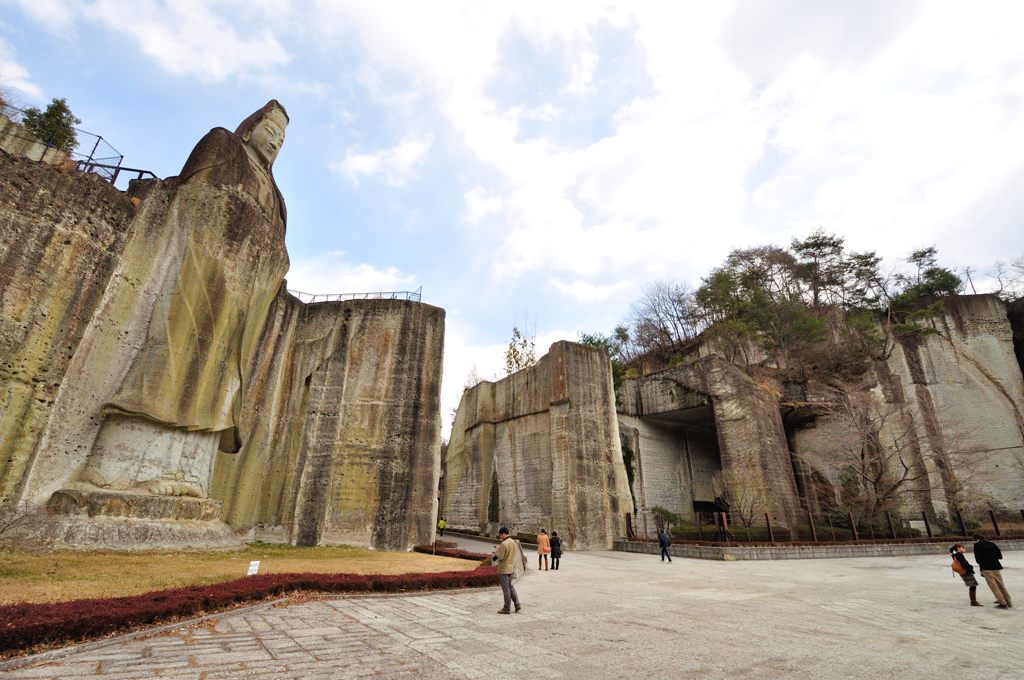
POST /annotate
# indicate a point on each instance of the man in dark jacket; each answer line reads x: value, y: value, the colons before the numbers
x: 987, y: 555
x: 665, y: 542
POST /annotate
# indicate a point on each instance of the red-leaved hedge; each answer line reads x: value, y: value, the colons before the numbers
x: 23, y: 626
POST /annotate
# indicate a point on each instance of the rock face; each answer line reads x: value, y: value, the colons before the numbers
x: 540, y: 450
x: 949, y: 400
x: 686, y: 423
x: 341, y: 426
x: 321, y: 421
x: 17, y: 140
x: 955, y: 396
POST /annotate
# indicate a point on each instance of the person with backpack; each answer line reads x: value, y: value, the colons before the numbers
x: 665, y: 542
x: 511, y: 563
x: 988, y: 555
x: 965, y: 570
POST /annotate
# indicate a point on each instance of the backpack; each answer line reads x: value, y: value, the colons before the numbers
x: 958, y: 567
x: 519, y: 566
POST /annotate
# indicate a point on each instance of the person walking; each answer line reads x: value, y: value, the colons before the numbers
x: 965, y: 570
x: 543, y: 550
x: 441, y: 524
x: 987, y: 555
x: 506, y: 557
x: 665, y: 542
x: 556, y: 550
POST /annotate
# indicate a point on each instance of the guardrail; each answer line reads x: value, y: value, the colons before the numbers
x: 102, y: 159
x: 310, y: 298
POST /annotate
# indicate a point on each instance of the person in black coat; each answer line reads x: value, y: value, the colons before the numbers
x: 966, y: 572
x: 987, y: 554
x: 665, y: 542
x: 556, y: 550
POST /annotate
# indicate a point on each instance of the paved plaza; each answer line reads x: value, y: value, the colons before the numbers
x: 611, y: 615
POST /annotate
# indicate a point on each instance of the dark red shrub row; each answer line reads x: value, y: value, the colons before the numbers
x: 452, y: 552
x: 23, y: 626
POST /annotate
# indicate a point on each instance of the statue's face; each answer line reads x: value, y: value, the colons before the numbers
x: 268, y: 136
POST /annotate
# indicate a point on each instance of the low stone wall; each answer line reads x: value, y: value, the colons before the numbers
x: 803, y: 552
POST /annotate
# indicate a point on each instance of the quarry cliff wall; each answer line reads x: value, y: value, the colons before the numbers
x: 540, y: 450
x: 338, y: 428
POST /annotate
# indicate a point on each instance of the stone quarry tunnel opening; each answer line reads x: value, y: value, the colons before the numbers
x: 680, y: 458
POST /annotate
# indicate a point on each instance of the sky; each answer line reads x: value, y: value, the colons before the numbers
x: 535, y: 164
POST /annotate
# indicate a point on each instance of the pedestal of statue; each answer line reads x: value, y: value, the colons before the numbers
x: 100, y: 519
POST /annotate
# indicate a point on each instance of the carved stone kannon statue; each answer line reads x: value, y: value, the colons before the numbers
x: 180, y: 399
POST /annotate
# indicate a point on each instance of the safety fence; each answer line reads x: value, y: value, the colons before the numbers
x: 838, y: 526
x: 90, y: 152
x: 310, y: 298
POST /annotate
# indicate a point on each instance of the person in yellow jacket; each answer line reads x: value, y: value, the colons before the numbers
x: 441, y: 524
x: 511, y: 562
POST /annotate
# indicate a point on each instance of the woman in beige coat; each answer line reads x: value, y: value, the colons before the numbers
x: 543, y: 549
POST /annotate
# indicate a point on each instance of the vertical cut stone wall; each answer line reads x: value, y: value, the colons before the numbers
x: 747, y: 423
x: 340, y: 422
x: 550, y: 435
x: 343, y: 426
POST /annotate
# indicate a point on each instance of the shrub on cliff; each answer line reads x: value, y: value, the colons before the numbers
x: 55, y: 126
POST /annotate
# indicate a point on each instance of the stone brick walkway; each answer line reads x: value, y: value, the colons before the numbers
x: 611, y: 615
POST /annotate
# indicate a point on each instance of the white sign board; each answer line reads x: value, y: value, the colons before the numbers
x: 254, y: 567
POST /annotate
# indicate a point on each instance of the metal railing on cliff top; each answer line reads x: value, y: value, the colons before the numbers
x: 103, y: 159
x: 309, y: 298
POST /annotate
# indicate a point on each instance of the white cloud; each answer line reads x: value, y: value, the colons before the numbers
x: 333, y: 273
x: 480, y: 204
x: 465, y: 354
x: 13, y: 75
x: 584, y: 291
x: 197, y: 38
x: 394, y: 166
x: 54, y: 15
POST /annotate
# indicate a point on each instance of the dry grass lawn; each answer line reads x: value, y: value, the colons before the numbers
x: 54, y: 577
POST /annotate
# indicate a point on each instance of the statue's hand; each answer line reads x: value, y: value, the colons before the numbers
x: 168, y: 487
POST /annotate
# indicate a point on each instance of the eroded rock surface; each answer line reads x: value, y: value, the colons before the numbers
x: 540, y: 450
x: 148, y: 347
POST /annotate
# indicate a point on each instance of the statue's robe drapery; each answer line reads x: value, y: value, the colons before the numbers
x: 203, y: 332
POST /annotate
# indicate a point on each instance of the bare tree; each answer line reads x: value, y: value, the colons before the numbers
x: 743, y: 489
x: 884, y: 460
x: 14, y: 516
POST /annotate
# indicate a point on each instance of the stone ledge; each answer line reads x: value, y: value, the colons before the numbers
x: 128, y: 533
x: 798, y: 552
x: 104, y: 503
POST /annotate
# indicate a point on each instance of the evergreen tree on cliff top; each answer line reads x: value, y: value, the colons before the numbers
x: 55, y: 126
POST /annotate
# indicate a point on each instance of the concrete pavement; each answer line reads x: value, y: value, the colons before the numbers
x: 613, y: 615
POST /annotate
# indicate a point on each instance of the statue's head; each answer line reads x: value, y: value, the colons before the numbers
x: 263, y: 131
